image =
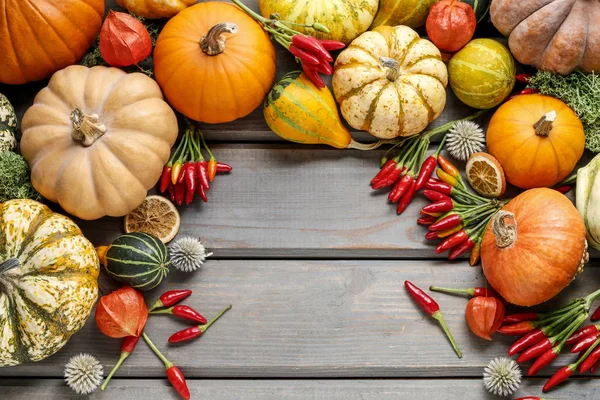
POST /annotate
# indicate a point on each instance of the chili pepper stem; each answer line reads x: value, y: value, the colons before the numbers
x: 168, y: 364
x: 215, y: 318
x: 448, y: 125
x: 451, y: 291
x: 438, y: 316
x: 122, y: 358
x: 167, y: 310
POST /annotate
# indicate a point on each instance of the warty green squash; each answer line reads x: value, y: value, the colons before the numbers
x: 48, y: 281
x: 8, y: 125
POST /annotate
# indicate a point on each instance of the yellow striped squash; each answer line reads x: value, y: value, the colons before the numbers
x: 345, y: 19
x: 48, y: 281
x: 390, y: 82
x: 298, y: 111
x: 412, y: 13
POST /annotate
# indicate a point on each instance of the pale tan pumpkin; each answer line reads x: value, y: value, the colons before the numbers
x: 153, y: 9
x: 97, y: 139
x: 390, y: 82
x: 554, y: 35
x: 48, y: 281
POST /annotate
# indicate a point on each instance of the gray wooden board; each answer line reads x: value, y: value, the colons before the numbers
x: 310, y: 319
x: 378, y: 389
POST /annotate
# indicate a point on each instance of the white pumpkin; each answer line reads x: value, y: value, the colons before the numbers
x: 588, y: 200
x: 390, y: 82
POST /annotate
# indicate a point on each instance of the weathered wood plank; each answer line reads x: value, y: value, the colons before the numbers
x: 392, y: 389
x: 310, y: 319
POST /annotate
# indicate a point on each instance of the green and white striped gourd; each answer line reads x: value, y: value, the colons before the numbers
x: 8, y: 125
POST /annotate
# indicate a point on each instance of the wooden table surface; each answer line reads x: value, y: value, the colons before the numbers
x: 313, y: 262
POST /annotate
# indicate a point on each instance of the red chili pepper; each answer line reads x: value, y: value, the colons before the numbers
x: 127, y: 346
x: 195, y: 331
x: 582, y: 333
x: 177, y: 380
x: 191, y: 177
x: 400, y: 188
x: 536, y: 350
x: 529, y: 398
x: 435, y: 196
x: 426, y: 220
x: 165, y: 178
x: 560, y: 376
x: 517, y: 329
x: 407, y: 198
x: 431, y: 235
x: 311, y: 45
x: 389, y: 179
x: 596, y: 315
x: 564, y: 189
x: 203, y: 175
x: 543, y: 360
x: 520, y: 317
x: 202, y: 193
x: 584, y: 343
x: 184, y: 312
x: 313, y: 75
x: 385, y: 170
x: 461, y: 249
x: 441, y: 187
x: 170, y: 298
x: 431, y: 308
x: 475, y: 253
x: 456, y: 239
x: 442, y: 206
x: 223, y: 167
x: 324, y: 68
x: 175, y: 171
x: 523, y: 77
x: 531, y: 338
x: 330, y: 45
x: 473, y: 292
x: 448, y: 167
x: 591, y: 361
x: 172, y: 192
x: 447, y: 222
x: 179, y: 193
x: 304, y: 56
x: 181, y: 177
x: 594, y: 367
x: 211, y: 169
x: 426, y: 171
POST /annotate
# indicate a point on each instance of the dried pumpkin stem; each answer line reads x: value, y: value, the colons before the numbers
x: 213, y: 42
x: 505, y: 233
x: 391, y: 66
x: 86, y: 128
x: 544, y: 125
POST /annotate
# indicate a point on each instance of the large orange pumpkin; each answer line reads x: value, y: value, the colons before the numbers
x: 537, y: 139
x: 534, y: 247
x: 39, y: 37
x: 214, y: 63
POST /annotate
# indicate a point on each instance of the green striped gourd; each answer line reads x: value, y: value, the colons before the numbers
x: 482, y: 74
x: 8, y: 125
x: 345, y: 19
x: 136, y: 259
x: 481, y: 8
x: 48, y: 281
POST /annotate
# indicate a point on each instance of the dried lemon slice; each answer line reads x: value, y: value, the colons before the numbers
x: 486, y: 175
x: 156, y: 216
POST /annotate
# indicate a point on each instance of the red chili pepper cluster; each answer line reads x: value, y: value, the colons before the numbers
x: 543, y: 336
x: 456, y: 215
x: 167, y: 303
x: 187, y: 173
x: 431, y: 307
x: 523, y: 78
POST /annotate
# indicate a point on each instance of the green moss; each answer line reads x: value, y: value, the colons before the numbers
x: 14, y: 178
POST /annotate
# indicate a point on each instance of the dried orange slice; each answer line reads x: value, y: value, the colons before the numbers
x: 156, y: 216
x: 486, y: 175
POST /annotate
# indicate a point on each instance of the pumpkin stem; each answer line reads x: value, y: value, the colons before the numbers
x: 544, y: 125
x: 506, y: 234
x: 87, y: 128
x: 213, y: 42
x: 392, y: 67
x: 9, y: 264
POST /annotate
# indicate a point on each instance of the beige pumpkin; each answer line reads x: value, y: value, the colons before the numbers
x: 96, y: 140
x: 390, y: 82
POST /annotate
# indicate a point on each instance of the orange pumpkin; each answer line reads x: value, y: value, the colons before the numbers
x: 39, y: 37
x: 214, y: 63
x: 537, y: 139
x: 534, y: 247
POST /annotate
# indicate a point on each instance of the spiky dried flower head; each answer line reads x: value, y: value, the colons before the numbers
x: 502, y: 376
x: 464, y: 139
x: 188, y: 254
x: 83, y: 373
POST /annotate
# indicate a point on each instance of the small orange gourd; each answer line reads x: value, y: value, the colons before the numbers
x: 537, y: 139
x: 214, y: 63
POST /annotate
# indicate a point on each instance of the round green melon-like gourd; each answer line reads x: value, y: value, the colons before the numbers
x: 411, y: 13
x: 482, y: 74
x: 481, y: 8
x: 136, y: 259
x: 48, y: 281
x: 8, y: 125
x: 345, y: 19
